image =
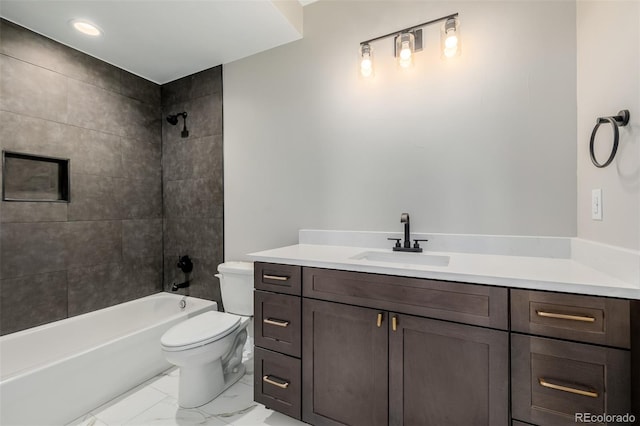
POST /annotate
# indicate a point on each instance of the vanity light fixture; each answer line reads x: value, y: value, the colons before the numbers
x: 86, y: 27
x: 409, y: 40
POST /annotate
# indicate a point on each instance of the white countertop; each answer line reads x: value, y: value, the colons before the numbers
x: 539, y: 273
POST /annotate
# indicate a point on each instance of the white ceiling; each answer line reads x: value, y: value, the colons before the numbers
x: 168, y: 39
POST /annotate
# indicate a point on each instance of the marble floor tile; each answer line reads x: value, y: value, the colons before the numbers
x: 262, y: 416
x: 86, y: 420
x: 233, y: 402
x: 167, y: 382
x: 168, y: 413
x: 128, y: 405
x: 155, y: 402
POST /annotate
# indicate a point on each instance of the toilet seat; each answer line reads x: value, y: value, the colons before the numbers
x: 199, y: 331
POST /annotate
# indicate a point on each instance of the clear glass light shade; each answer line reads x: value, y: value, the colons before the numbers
x: 366, y: 61
x: 405, y: 46
x: 450, y: 38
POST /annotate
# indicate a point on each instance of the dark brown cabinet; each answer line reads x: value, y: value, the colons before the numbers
x: 570, y: 357
x: 351, y: 348
x: 443, y: 373
x: 345, y: 365
x: 277, y: 324
x: 368, y: 366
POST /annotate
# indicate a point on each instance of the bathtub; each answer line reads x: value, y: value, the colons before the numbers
x: 54, y: 373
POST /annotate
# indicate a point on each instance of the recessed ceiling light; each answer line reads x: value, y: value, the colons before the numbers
x: 86, y: 27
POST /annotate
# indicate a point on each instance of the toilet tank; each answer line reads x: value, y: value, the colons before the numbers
x: 236, y: 286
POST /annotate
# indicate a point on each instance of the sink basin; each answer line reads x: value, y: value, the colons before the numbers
x: 403, y: 258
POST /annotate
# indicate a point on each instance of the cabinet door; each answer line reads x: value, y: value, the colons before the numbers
x: 344, y: 364
x: 443, y: 373
x: 553, y: 381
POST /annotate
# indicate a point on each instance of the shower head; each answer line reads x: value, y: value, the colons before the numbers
x: 173, y: 120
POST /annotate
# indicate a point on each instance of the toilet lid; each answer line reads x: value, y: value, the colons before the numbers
x: 200, y: 330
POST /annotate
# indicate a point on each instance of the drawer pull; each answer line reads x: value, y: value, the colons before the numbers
x: 379, y: 320
x: 274, y: 277
x: 276, y: 322
x: 565, y: 316
x: 546, y: 384
x: 394, y: 323
x: 283, y: 384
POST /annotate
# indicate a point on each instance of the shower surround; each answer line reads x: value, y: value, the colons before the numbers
x: 106, y: 246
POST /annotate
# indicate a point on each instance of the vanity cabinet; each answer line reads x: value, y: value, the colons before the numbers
x: 351, y: 348
x: 364, y: 364
x: 569, y: 354
x: 277, y: 325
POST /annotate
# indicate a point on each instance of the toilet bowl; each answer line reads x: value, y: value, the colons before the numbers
x: 208, y: 348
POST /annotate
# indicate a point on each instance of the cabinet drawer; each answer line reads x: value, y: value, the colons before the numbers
x: 552, y: 380
x: 277, y: 278
x: 277, y: 322
x: 277, y: 382
x: 589, y: 319
x: 465, y: 303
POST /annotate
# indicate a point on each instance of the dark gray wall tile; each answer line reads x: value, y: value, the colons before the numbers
x: 33, y: 212
x: 138, y: 88
x: 31, y: 90
x: 88, y: 69
x: 95, y: 287
x: 204, y: 83
x: 193, y: 198
x: 176, y: 91
x: 207, y: 82
x: 31, y: 135
x: 143, y: 275
x: 94, y: 153
x: 192, y: 158
x: 140, y: 120
x: 95, y: 198
x: 194, y: 236
x: 58, y: 102
x: 31, y: 301
x: 142, y: 238
x: 28, y: 46
x: 94, y: 108
x: 141, y: 159
x: 32, y: 248
x: 204, y: 118
x: 94, y: 243
x: 142, y: 198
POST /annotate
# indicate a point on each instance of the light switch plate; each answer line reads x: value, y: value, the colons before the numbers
x: 596, y: 204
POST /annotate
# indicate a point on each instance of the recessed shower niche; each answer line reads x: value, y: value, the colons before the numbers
x: 27, y: 177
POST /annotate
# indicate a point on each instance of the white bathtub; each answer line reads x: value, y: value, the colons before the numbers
x: 54, y: 373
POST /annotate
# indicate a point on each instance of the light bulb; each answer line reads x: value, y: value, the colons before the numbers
x: 450, y: 38
x: 366, y: 61
x: 86, y: 27
x: 404, y: 49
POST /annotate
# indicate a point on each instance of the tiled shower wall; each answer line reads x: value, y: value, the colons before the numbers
x: 105, y: 246
x: 192, y: 181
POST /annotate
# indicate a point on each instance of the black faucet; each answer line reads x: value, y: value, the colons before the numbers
x: 186, y: 265
x: 404, y: 218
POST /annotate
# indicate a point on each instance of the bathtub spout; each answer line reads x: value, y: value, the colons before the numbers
x: 175, y: 286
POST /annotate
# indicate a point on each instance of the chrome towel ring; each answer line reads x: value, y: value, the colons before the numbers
x: 622, y: 119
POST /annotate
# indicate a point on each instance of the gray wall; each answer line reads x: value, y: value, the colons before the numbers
x: 483, y: 144
x: 105, y: 247
x: 608, y: 70
x: 192, y: 181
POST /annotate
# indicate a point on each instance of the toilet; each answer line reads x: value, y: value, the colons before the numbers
x: 208, y: 348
